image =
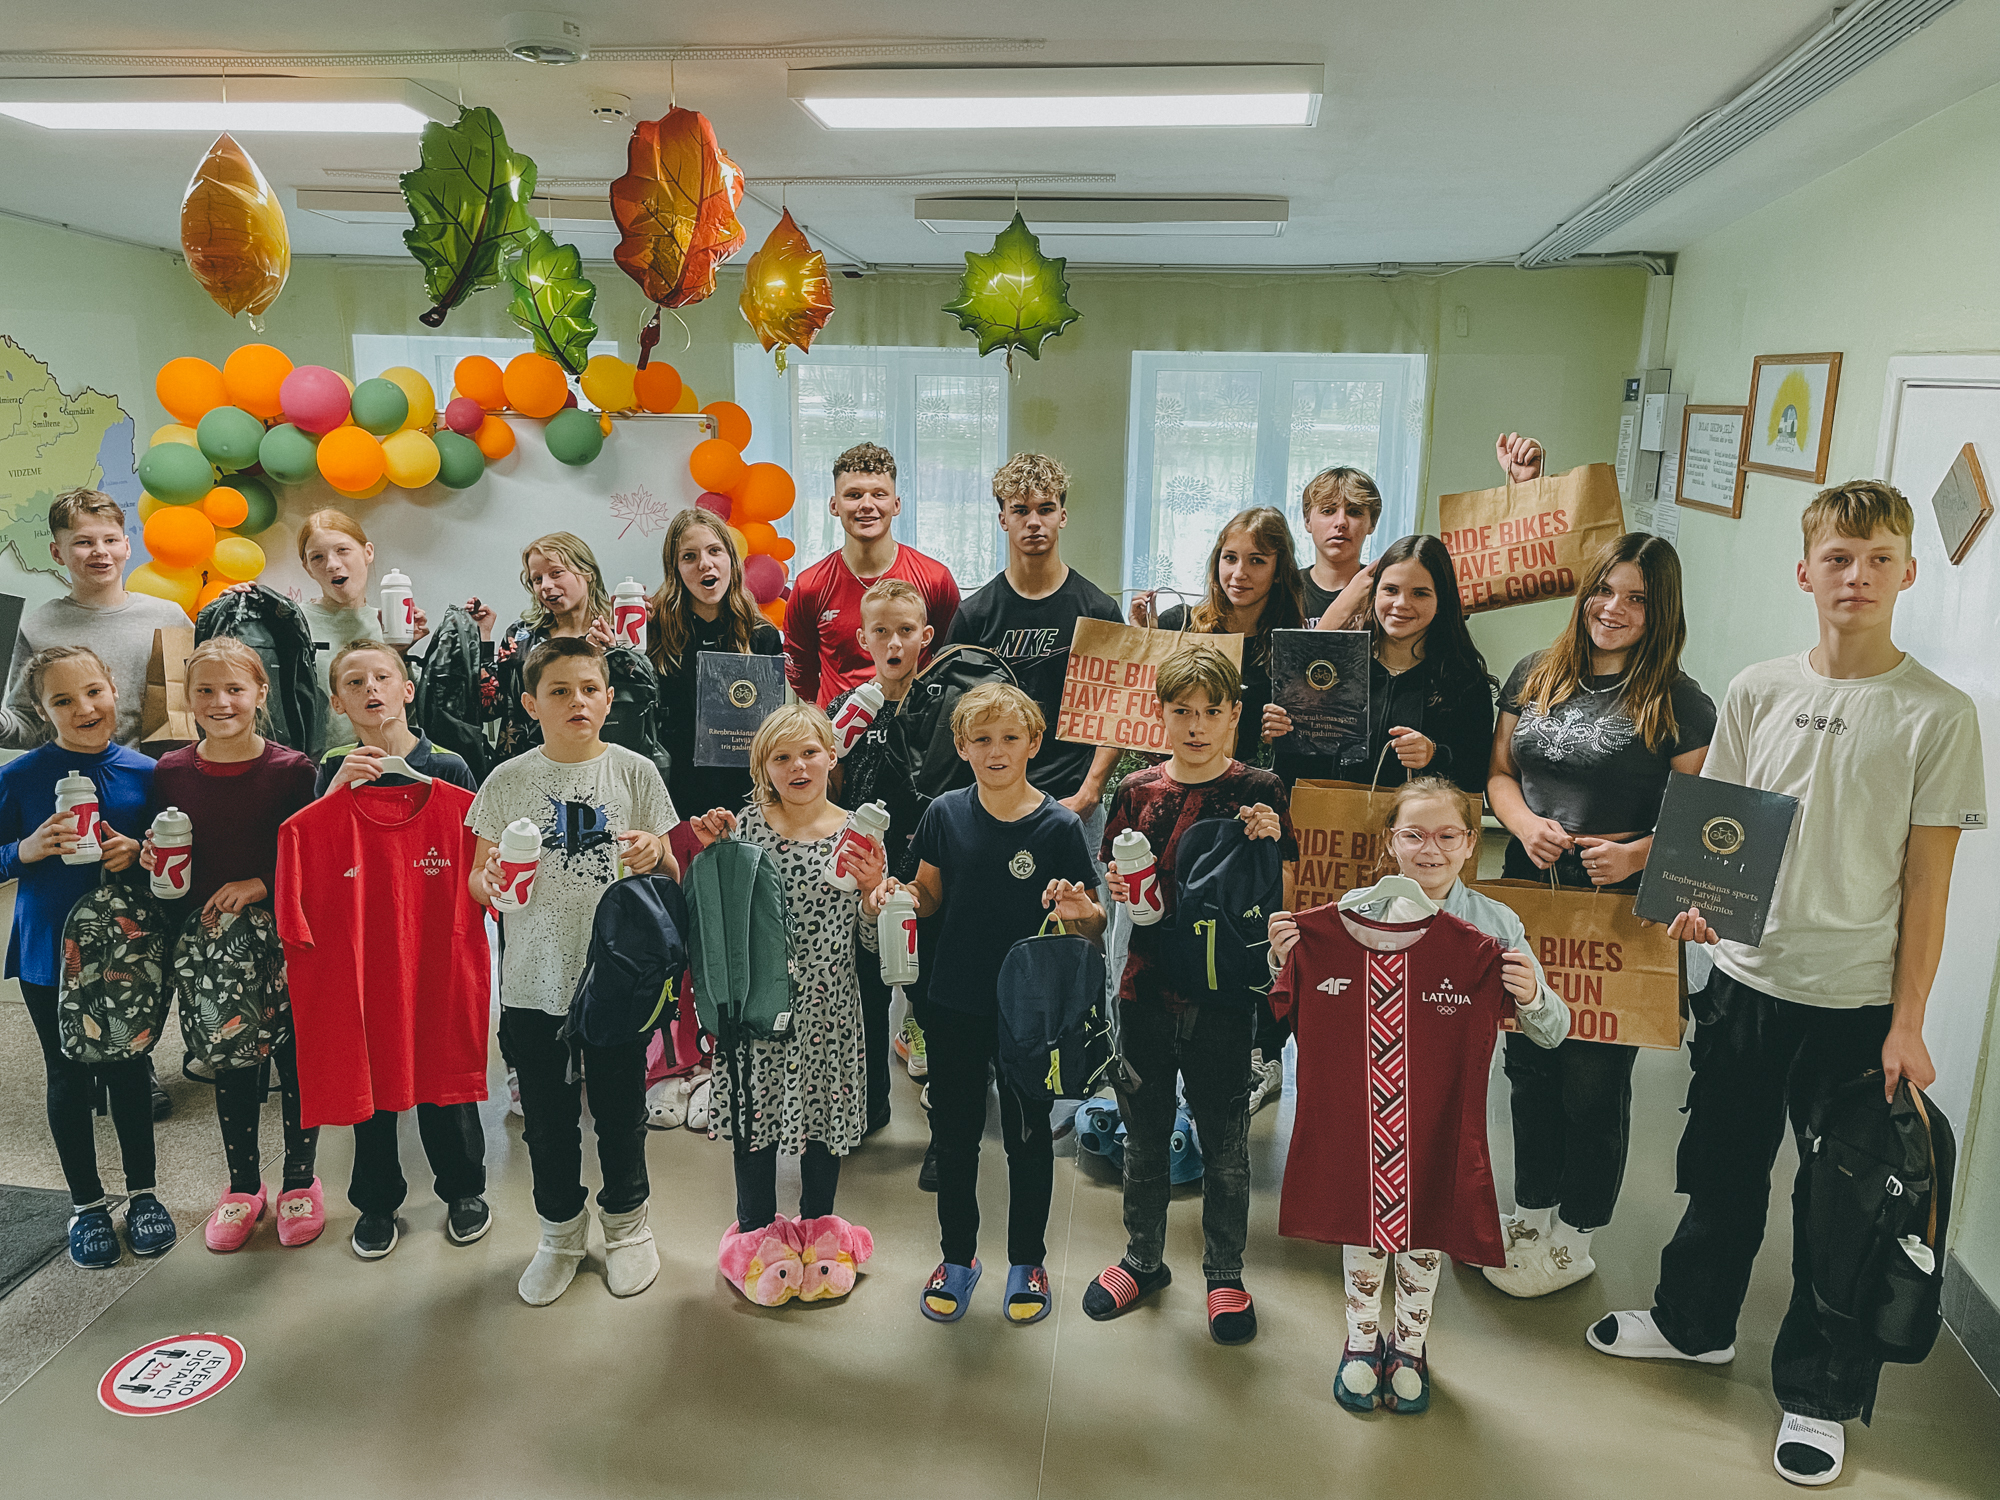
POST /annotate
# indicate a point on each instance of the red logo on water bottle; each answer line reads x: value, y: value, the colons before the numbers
x: 515, y: 880
x: 851, y: 723
x: 910, y: 937
x: 171, y: 866
x: 86, y: 820
x: 410, y: 611
x: 1143, y: 887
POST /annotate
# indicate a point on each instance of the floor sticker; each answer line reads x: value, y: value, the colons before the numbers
x: 170, y: 1374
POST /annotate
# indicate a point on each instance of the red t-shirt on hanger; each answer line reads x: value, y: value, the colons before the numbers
x: 385, y: 951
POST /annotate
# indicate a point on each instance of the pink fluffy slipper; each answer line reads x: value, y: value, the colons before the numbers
x: 764, y: 1264
x: 234, y: 1217
x: 833, y: 1251
x: 301, y: 1215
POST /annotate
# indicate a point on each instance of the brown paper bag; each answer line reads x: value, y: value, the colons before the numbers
x: 1107, y: 694
x: 1339, y: 828
x: 165, y: 722
x: 1622, y: 980
x: 1524, y: 542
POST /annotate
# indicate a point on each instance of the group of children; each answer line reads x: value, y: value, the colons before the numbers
x: 1586, y: 736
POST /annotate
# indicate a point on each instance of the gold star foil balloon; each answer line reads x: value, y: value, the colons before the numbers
x: 233, y: 232
x: 786, y: 297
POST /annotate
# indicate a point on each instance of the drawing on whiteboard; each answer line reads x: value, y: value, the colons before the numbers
x: 641, y: 508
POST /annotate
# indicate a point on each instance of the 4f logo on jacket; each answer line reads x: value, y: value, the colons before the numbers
x: 1332, y: 986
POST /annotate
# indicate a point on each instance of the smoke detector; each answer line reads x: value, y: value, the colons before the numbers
x: 545, y: 36
x: 610, y: 106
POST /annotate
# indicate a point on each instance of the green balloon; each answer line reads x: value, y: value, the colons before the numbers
x: 175, y: 473
x: 574, y: 436
x: 229, y: 437
x: 380, y: 406
x: 263, y: 504
x: 460, y: 463
x: 289, y: 455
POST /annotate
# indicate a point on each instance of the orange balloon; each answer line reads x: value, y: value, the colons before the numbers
x: 763, y: 493
x: 213, y: 590
x: 253, y: 375
x: 480, y: 378
x: 732, y: 423
x: 775, y: 612
x: 495, y: 438
x: 688, y: 401
x: 535, y: 385
x: 761, y: 535
x: 180, y: 536
x: 658, y: 387
x: 716, y: 466
x: 351, y: 458
x: 225, y: 507
x: 190, y: 388
x: 785, y: 549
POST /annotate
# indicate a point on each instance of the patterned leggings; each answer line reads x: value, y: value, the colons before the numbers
x: 1417, y: 1275
x: 238, y: 1105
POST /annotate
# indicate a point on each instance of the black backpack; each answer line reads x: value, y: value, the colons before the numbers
x: 635, y: 698
x: 1879, y: 1173
x: 920, y: 739
x: 637, y: 950
x: 446, y: 707
x: 276, y: 629
x: 1054, y: 1041
x: 1226, y: 885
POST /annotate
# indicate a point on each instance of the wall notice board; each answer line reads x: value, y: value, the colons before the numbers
x: 1711, y: 462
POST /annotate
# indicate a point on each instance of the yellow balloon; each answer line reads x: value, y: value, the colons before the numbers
x: 608, y: 383
x: 180, y: 586
x: 147, y: 505
x: 173, y: 432
x: 368, y: 494
x: 238, y: 558
x: 689, y: 400
x: 423, y: 400
x: 410, y: 458
x: 742, y: 542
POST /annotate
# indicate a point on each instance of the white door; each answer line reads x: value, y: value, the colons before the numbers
x: 1950, y: 621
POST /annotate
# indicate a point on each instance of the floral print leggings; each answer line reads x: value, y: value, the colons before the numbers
x: 1417, y: 1274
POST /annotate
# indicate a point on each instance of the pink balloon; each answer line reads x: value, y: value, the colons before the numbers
x: 464, y: 415
x: 763, y: 576
x: 314, y: 399
x: 714, y: 504
x: 569, y: 400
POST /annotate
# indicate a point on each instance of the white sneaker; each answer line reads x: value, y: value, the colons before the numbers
x: 667, y: 1103
x: 1809, y: 1451
x: 698, y: 1102
x: 513, y: 1092
x: 1634, y: 1335
x: 1267, y: 1079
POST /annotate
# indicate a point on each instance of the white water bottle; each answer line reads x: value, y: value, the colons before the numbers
x: 520, y: 854
x: 399, y: 610
x: 856, y: 714
x: 896, y: 930
x: 173, y: 854
x: 867, y: 824
x: 628, y: 614
x: 1132, y: 853
x: 76, y: 795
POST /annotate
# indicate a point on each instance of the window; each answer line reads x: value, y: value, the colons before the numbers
x: 436, y: 356
x: 1212, y: 434
x: 942, y: 412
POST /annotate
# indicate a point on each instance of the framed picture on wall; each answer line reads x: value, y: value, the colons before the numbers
x: 1710, y: 476
x: 1791, y: 414
x: 1961, y: 504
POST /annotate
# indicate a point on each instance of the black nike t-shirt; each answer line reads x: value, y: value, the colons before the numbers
x: 1033, y: 637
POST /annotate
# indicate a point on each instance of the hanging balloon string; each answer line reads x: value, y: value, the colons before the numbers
x: 687, y: 341
x: 673, y: 97
x: 460, y: 71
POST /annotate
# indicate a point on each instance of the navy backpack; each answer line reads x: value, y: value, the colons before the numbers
x: 1226, y: 885
x: 637, y: 950
x: 1054, y: 1041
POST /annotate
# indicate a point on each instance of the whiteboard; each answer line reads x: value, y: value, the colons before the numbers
x: 458, y: 543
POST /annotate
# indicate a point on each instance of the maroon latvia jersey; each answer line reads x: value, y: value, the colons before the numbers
x: 1389, y: 1129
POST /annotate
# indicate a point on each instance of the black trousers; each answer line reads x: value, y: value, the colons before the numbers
x: 552, y: 1115
x: 757, y: 1184
x: 454, y: 1144
x: 72, y: 1096
x: 1758, y: 1060
x: 239, y: 1106
x: 875, y: 998
x: 962, y: 1049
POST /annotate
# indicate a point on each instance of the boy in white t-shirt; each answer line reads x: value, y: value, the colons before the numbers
x: 602, y: 810
x: 1884, y: 758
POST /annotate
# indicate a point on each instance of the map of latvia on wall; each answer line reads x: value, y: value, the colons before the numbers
x: 51, y: 441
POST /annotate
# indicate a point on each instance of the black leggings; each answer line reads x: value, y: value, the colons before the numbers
x: 72, y: 1097
x: 757, y: 1184
x: 238, y: 1105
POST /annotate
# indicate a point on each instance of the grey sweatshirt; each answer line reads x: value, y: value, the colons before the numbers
x: 122, y: 636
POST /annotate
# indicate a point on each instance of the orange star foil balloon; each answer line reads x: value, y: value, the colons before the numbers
x: 676, y: 208
x: 786, y: 297
x: 233, y: 231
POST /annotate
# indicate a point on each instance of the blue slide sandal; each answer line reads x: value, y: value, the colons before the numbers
x: 950, y: 1285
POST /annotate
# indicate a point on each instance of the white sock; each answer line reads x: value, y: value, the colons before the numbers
x: 1567, y: 1237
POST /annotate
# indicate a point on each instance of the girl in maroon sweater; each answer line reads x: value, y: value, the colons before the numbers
x: 237, y: 788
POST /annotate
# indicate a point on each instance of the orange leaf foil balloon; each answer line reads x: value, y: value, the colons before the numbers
x: 233, y: 230
x: 786, y: 296
x: 676, y: 208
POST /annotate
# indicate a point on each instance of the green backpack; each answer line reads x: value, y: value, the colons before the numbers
x: 113, y: 992
x: 739, y: 943
x: 229, y: 984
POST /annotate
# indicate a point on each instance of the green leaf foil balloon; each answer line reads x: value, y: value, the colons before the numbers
x: 470, y: 202
x: 1013, y: 296
x: 553, y: 300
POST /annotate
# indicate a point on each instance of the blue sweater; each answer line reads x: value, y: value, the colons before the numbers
x: 48, y: 887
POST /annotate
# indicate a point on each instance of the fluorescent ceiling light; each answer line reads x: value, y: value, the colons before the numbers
x: 1075, y: 216
x: 383, y: 206
x: 208, y: 106
x: 1167, y: 97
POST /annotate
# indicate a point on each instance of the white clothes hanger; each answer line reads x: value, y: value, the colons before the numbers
x: 1390, y: 887
x: 395, y: 765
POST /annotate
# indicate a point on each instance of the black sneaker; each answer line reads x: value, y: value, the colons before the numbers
x: 927, y: 1173
x: 375, y: 1235
x: 467, y: 1219
x: 876, y: 1122
x: 163, y: 1105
